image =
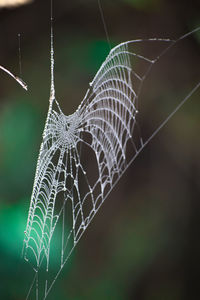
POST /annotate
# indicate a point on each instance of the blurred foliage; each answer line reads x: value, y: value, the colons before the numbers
x: 144, y: 242
x: 18, y: 131
x: 144, y: 4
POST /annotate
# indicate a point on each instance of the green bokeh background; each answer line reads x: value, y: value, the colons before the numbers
x: 144, y: 242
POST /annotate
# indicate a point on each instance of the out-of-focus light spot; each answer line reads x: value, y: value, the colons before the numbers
x: 13, y: 3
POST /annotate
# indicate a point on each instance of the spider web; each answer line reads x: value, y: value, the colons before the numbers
x: 82, y: 157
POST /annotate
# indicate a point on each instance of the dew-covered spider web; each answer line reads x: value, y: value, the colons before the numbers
x: 82, y: 157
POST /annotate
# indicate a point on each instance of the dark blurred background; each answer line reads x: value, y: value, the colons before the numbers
x: 144, y: 242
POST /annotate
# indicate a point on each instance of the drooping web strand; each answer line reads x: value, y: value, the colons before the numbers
x: 52, y: 91
x: 20, y: 56
x: 104, y: 23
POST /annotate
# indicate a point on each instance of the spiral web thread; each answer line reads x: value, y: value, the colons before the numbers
x: 82, y: 157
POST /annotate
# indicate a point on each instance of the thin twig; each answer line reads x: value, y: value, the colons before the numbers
x: 19, y: 80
